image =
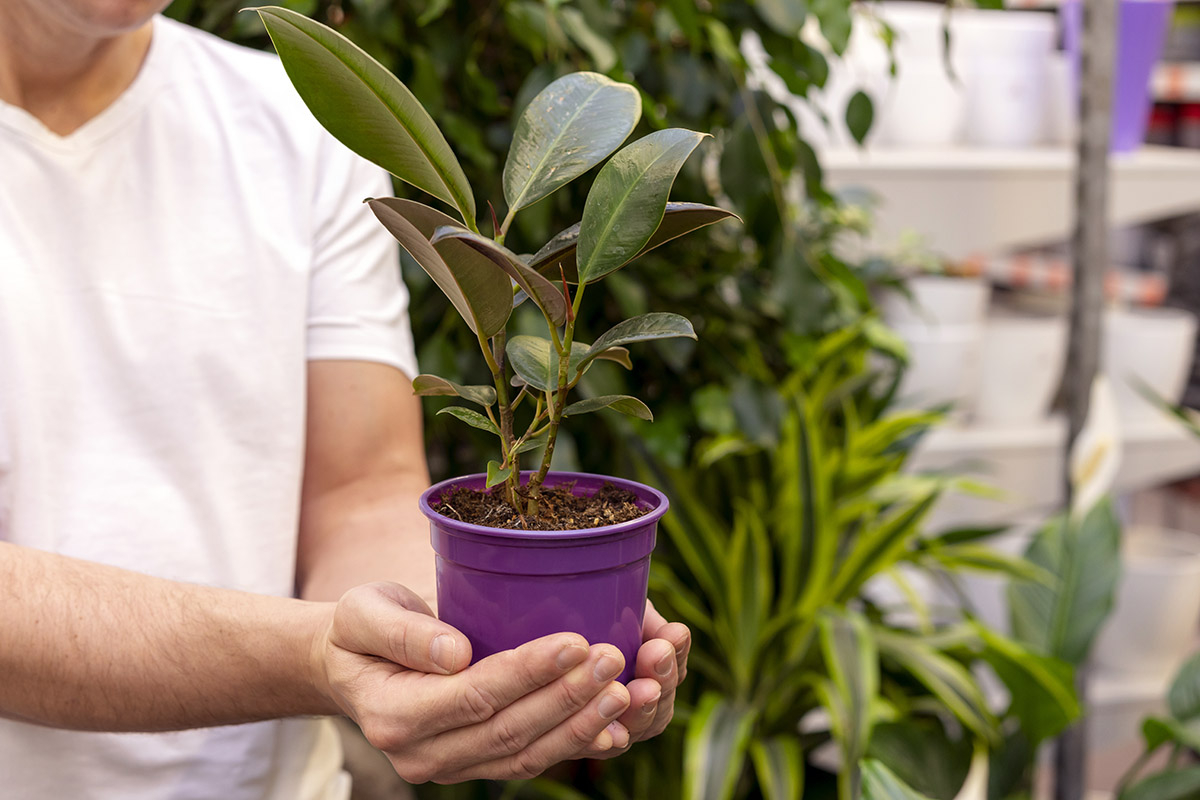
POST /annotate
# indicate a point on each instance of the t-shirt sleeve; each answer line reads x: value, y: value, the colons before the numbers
x: 358, y: 304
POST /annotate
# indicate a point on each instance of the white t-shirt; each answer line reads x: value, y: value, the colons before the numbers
x: 165, y: 273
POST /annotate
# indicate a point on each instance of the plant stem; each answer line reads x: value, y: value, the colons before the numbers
x: 494, y: 355
x: 508, y: 218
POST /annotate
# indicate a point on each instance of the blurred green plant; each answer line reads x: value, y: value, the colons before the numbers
x: 1179, y: 729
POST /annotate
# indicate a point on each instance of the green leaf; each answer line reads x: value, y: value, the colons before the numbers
x: 472, y: 418
x: 644, y: 328
x: 533, y: 443
x: 366, y: 108
x: 848, y: 649
x: 534, y: 360
x: 1157, y: 731
x: 880, y: 783
x: 835, y: 22
x: 922, y: 755
x: 549, y: 298
x: 1063, y: 618
x: 784, y: 16
x: 627, y: 405
x: 678, y: 220
x: 570, y: 127
x: 715, y: 743
x: 948, y: 680
x: 496, y: 473
x: 481, y: 293
x: 618, y: 355
x: 779, y: 764
x: 1042, y: 688
x: 1182, y: 784
x: 596, y: 46
x: 980, y: 558
x: 860, y: 113
x: 881, y: 544
x: 1184, y: 696
x: 628, y: 200
x: 431, y: 385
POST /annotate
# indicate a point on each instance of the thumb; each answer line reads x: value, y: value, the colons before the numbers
x: 390, y: 621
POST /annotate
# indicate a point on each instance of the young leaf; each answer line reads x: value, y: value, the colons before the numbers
x: 533, y: 443
x: 859, y: 115
x: 628, y: 200
x: 627, y: 405
x: 570, y: 127
x: 431, y: 385
x: 534, y: 360
x: 481, y: 293
x: 655, y: 325
x: 548, y: 297
x: 366, y: 108
x: 472, y: 418
x: 678, y: 220
x: 497, y: 474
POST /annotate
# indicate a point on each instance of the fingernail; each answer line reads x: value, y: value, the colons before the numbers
x: 571, y: 655
x: 607, y: 668
x: 619, y: 733
x: 603, y: 741
x: 442, y: 651
x: 650, y: 706
x: 611, y: 705
x: 663, y: 667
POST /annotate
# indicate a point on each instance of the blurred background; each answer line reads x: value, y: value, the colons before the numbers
x: 876, y: 392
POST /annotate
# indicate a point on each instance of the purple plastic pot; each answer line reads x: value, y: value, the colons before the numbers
x: 503, y: 588
x: 1141, y: 33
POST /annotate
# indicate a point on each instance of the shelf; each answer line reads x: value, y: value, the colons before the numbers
x: 1177, y: 83
x: 966, y: 201
x: 1025, y: 463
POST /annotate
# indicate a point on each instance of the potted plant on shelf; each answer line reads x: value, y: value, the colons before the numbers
x: 521, y: 554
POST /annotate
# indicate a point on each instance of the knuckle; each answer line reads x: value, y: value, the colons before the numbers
x: 525, y: 766
x: 478, y: 704
x: 508, y: 737
x: 387, y: 737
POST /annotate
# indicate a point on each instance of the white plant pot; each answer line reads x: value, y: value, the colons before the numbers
x: 1022, y: 360
x: 1153, y: 626
x: 1154, y: 345
x: 937, y: 301
x: 943, y: 366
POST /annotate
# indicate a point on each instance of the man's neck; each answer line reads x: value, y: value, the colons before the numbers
x: 60, y: 75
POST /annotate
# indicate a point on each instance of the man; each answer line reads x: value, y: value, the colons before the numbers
x: 204, y: 349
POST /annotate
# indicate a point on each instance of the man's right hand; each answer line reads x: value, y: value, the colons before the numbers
x: 403, y: 676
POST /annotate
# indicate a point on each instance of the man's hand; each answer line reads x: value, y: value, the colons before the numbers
x: 402, y: 675
x: 661, y: 665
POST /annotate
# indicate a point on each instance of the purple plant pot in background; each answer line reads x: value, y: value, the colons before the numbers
x: 1141, y: 33
x: 503, y: 588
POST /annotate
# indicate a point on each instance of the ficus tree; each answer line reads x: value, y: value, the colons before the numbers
x: 573, y: 125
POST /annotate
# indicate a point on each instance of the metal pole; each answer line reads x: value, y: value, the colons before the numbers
x: 1090, y: 262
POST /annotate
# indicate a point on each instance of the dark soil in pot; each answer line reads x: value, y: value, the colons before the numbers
x: 558, y: 508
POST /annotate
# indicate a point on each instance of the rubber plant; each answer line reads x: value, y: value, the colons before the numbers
x: 573, y: 125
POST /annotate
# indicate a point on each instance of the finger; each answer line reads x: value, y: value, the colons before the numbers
x: 644, y: 695
x: 656, y: 627
x: 490, y: 686
x: 565, y: 741
x: 514, y: 727
x: 389, y: 621
x: 612, y: 741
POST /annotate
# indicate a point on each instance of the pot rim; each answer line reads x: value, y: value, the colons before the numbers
x: 629, y: 526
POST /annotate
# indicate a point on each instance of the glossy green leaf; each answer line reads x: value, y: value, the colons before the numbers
x: 1062, y: 619
x: 432, y: 385
x: 481, y: 293
x: 570, y: 127
x: 618, y: 355
x: 472, y: 418
x: 365, y: 107
x: 534, y: 360
x: 628, y: 200
x: 1182, y: 784
x: 630, y: 406
x: 948, y: 680
x: 860, y: 113
x: 923, y: 755
x: 715, y: 744
x: 497, y: 474
x: 1042, y: 688
x: 880, y: 783
x: 784, y: 16
x: 647, y: 327
x: 557, y: 257
x: 1183, y: 698
x: 549, y: 298
x: 779, y: 764
x: 533, y: 443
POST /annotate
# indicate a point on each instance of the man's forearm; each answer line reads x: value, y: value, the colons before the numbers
x: 92, y: 647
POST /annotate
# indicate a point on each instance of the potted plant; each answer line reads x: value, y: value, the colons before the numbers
x: 518, y: 554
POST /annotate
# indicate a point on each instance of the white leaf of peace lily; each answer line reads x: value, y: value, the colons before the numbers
x: 1096, y: 456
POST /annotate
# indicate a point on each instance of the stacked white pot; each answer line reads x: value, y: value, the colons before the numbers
x: 1150, y: 346
x: 942, y: 326
x: 1022, y: 358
